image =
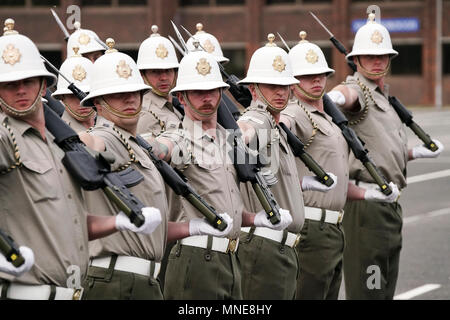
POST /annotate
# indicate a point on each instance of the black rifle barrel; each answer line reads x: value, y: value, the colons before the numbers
x: 10, y: 250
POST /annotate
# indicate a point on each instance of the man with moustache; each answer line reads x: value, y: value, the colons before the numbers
x: 373, y: 230
x: 126, y: 266
x: 320, y: 250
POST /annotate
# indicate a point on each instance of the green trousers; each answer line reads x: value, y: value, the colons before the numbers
x: 110, y: 284
x: 373, y: 234
x: 320, y: 254
x: 202, y: 274
x: 269, y: 268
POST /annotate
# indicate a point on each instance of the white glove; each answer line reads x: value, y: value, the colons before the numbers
x: 423, y: 152
x: 200, y: 226
x: 152, y: 221
x: 337, y: 97
x: 378, y: 196
x: 310, y: 183
x: 261, y: 220
x: 8, y: 267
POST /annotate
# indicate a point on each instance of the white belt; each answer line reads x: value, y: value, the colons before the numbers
x: 128, y: 264
x: 275, y: 235
x: 331, y: 216
x: 224, y: 245
x: 40, y: 292
x: 365, y: 185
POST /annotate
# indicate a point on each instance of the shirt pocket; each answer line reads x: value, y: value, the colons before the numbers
x: 41, y: 181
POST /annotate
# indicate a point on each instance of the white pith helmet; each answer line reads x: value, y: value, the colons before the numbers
x: 372, y: 39
x: 199, y: 70
x: 78, y: 70
x: 20, y: 58
x: 156, y: 52
x: 114, y: 72
x: 270, y: 65
x: 208, y: 42
x: 307, y: 58
x: 84, y: 39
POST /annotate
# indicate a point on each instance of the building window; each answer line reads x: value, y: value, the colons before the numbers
x: 54, y: 57
x: 236, y: 65
x: 12, y: 3
x: 408, y: 61
x: 95, y: 3
x: 133, y: 53
x: 132, y: 2
x: 185, y: 3
x: 280, y: 1
x: 46, y: 3
x: 229, y: 2
x: 445, y: 61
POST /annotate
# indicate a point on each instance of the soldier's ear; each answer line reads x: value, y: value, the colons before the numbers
x: 252, y: 89
x: 44, y: 87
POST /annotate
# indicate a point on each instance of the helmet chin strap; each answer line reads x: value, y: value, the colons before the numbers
x: 76, y: 115
x: 189, y: 104
x: 29, y: 110
x: 267, y: 103
x: 309, y: 95
x: 373, y: 74
x: 120, y: 114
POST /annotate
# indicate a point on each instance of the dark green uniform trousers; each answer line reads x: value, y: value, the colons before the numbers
x: 320, y: 254
x: 202, y: 274
x: 269, y: 268
x: 110, y: 284
x: 373, y: 233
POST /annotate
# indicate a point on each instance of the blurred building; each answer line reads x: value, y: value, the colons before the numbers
x: 242, y: 26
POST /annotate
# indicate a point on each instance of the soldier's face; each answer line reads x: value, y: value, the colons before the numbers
x: 276, y: 95
x: 203, y: 101
x: 22, y: 93
x: 74, y: 103
x: 160, y: 79
x: 374, y: 64
x: 313, y: 84
x: 127, y: 103
x: 93, y: 55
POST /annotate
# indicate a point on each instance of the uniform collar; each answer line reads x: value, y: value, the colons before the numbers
x: 197, y: 133
x: 371, y: 84
x: 313, y: 109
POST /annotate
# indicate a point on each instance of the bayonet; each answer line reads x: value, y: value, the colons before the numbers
x: 284, y: 42
x: 60, y: 24
x: 177, y: 46
x: 180, y: 38
x: 323, y: 26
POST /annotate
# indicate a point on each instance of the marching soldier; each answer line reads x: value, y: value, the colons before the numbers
x: 209, y: 42
x: 158, y: 63
x: 321, y: 247
x: 79, y: 71
x: 202, y: 267
x: 126, y: 265
x: 85, y: 40
x: 274, y: 276
x: 373, y: 230
x: 42, y: 206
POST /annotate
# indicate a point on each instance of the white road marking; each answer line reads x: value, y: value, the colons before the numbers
x: 431, y: 214
x: 428, y: 176
x: 417, y: 291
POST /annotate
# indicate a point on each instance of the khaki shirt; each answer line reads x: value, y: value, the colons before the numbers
x: 328, y: 148
x: 73, y: 123
x: 150, y: 192
x: 212, y: 174
x: 41, y: 206
x: 382, y: 131
x: 287, y: 190
x: 156, y: 115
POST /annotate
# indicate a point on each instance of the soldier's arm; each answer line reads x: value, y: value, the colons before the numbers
x: 355, y: 192
x: 177, y: 231
x: 285, y: 119
x: 248, y: 218
x: 351, y: 98
x: 100, y: 226
x: 248, y: 131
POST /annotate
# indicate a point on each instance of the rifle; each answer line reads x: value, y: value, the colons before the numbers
x: 178, y: 182
x: 404, y: 114
x: 355, y: 143
x: 10, y: 250
x: 247, y: 170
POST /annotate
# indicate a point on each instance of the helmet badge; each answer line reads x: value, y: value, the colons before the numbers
x: 11, y: 55
x: 203, y: 67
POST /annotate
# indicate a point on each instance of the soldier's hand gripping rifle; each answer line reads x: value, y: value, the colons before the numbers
x: 245, y: 164
x: 404, y: 114
x: 170, y: 176
x: 355, y: 144
x: 240, y: 92
x: 10, y: 250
